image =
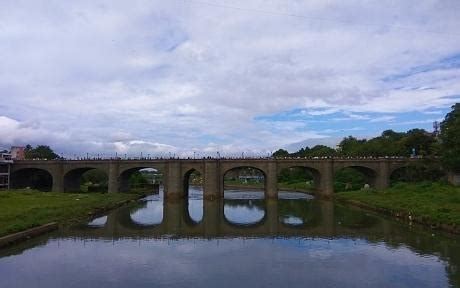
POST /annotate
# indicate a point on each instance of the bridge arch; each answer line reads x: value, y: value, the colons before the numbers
x: 35, y: 178
x: 255, y: 177
x: 412, y: 172
x: 73, y: 178
x: 310, y: 174
x: 193, y: 182
x: 352, y: 177
x: 126, y: 172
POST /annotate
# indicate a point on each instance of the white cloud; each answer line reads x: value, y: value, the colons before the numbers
x: 184, y: 74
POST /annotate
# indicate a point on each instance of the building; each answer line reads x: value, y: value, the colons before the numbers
x: 5, y: 169
x: 17, y: 153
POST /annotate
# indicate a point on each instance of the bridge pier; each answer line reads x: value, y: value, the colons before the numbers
x: 57, y: 172
x: 382, y: 180
x: 174, y: 182
x: 327, y: 217
x: 211, y: 187
x: 271, y: 182
x: 272, y: 219
x: 173, y: 215
x: 326, y: 187
x: 213, y: 212
x: 114, y: 179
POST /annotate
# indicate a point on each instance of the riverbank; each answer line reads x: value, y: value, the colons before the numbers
x: 432, y: 204
x: 24, y: 209
x: 298, y: 186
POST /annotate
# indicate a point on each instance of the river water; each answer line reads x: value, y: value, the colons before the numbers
x: 241, y: 241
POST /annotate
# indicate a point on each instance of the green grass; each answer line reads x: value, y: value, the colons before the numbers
x: 431, y: 202
x: 299, y: 186
x: 23, y: 209
x: 249, y: 184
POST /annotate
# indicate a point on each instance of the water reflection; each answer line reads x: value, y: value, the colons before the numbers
x: 299, y: 212
x: 148, y: 212
x: 244, y: 211
x: 195, y: 203
x: 296, y: 243
x: 98, y: 222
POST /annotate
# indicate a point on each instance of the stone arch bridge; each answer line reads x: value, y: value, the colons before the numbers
x: 65, y: 175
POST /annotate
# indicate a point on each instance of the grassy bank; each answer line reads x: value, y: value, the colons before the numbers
x: 428, y: 203
x: 298, y: 186
x: 23, y: 209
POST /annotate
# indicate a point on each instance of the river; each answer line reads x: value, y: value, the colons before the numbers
x: 241, y: 241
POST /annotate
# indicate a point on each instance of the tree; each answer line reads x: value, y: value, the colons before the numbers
x: 420, y: 140
x: 281, y: 153
x: 350, y: 146
x: 450, y: 139
x: 40, y: 152
x: 321, y: 151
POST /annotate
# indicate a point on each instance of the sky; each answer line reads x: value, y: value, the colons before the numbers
x: 190, y: 76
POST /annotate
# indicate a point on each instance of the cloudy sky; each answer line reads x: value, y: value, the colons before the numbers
x: 231, y: 76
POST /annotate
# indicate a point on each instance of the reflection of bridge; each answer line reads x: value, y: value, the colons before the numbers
x: 65, y: 175
x: 177, y: 222
x: 328, y: 221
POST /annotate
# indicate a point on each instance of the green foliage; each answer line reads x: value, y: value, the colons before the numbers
x: 294, y: 175
x: 280, y: 153
x: 95, y: 176
x: 40, y: 152
x: 450, y: 139
x: 389, y: 143
x: 316, y: 151
x: 418, y: 172
x: 348, y: 179
x: 432, y: 201
x: 138, y: 179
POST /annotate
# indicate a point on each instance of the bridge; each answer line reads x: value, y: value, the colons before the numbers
x: 66, y: 175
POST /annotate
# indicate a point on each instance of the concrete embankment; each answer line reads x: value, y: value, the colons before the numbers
x: 27, y: 234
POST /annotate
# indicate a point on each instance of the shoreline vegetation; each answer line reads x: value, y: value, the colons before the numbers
x: 433, y: 204
x: 23, y: 209
x: 287, y: 186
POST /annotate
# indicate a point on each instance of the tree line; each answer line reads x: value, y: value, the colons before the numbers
x: 415, y: 142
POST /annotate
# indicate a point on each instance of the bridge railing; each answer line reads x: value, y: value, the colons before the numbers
x: 231, y: 158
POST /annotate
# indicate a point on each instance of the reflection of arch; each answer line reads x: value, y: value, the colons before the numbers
x: 126, y: 173
x: 314, y: 172
x: 34, y: 178
x: 312, y: 216
x: 237, y: 203
x: 72, y: 179
x: 188, y: 218
x: 124, y: 216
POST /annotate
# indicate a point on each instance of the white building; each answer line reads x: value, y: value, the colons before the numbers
x: 5, y: 169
